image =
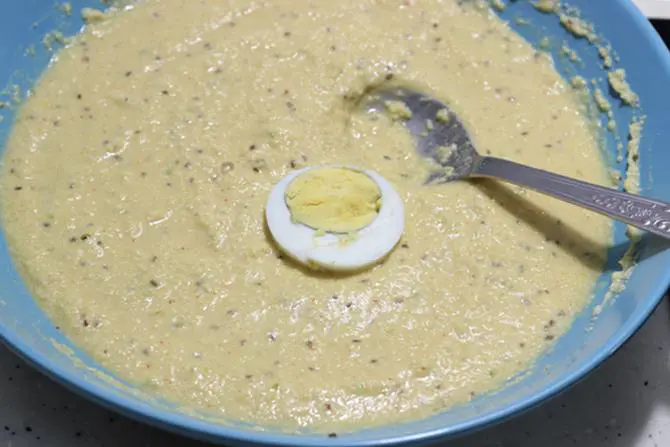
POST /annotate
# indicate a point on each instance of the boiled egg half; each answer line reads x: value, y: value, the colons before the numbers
x: 336, y: 218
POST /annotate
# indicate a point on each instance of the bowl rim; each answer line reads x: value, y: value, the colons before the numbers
x: 196, y: 428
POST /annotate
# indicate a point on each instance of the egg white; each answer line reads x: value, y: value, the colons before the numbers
x: 332, y: 251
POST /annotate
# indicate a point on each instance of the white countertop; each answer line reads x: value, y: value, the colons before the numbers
x: 654, y: 9
x: 625, y: 403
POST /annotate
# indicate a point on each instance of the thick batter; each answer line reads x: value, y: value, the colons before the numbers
x: 134, y: 183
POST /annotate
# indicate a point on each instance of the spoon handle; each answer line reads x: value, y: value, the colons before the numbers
x: 647, y: 214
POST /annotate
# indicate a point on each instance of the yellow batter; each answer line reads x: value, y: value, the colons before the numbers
x: 135, y: 178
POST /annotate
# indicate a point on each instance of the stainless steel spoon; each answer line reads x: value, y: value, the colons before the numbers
x: 463, y: 162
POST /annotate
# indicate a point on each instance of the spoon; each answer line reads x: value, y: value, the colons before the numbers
x: 462, y: 161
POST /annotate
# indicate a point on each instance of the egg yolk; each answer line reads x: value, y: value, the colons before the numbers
x: 335, y: 200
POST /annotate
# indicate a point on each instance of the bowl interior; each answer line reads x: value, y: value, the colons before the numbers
x: 644, y: 57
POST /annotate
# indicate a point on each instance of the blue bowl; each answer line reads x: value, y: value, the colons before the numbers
x: 26, y: 329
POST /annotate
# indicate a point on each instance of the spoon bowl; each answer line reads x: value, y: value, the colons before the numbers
x: 434, y: 128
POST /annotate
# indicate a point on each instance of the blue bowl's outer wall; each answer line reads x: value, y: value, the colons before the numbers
x: 26, y: 329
